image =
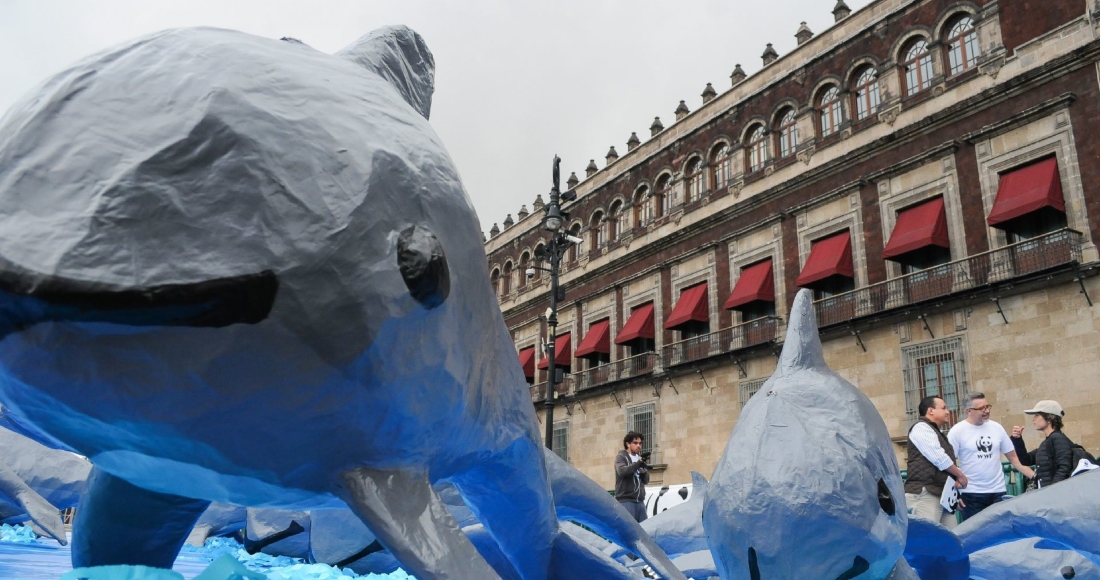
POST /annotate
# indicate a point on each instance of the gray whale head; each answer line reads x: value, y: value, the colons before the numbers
x: 808, y: 485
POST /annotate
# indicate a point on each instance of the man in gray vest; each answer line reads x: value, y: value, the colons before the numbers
x: 931, y: 461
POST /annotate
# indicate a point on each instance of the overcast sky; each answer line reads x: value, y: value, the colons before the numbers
x: 516, y: 81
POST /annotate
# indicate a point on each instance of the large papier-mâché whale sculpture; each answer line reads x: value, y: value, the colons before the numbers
x: 808, y: 485
x: 241, y: 270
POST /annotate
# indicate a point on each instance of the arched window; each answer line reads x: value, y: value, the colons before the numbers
x: 832, y: 114
x: 540, y: 250
x: 962, y: 45
x: 917, y: 64
x: 524, y: 262
x: 596, y: 227
x: 506, y: 279
x: 757, y: 149
x: 660, y: 199
x: 574, y: 249
x: 720, y: 162
x: 494, y: 280
x: 614, y: 221
x: 641, y: 207
x: 866, y: 93
x: 694, y: 175
x: 788, y: 133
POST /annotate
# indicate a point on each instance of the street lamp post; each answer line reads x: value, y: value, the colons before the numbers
x: 555, y: 249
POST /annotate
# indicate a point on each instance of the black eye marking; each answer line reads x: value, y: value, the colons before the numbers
x: 423, y: 266
x: 885, y: 498
x: 859, y: 566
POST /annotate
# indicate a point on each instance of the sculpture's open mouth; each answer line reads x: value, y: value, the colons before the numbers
x: 212, y: 303
x: 859, y: 566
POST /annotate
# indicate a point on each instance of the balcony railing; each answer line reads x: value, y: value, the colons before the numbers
x: 1013, y: 261
x: 626, y: 368
x: 743, y: 335
x: 538, y: 390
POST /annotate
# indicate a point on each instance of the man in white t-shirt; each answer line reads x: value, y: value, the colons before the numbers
x: 979, y: 443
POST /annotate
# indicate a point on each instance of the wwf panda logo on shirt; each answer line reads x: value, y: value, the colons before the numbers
x: 984, y: 444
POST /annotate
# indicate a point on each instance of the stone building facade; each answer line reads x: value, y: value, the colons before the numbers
x: 927, y: 167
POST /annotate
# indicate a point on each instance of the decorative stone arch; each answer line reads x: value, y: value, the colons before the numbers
x: 955, y: 10
x: 858, y: 64
x: 525, y: 258
x: 665, y: 170
x: 718, y: 141
x: 751, y: 124
x: 788, y: 103
x: 822, y: 85
x: 908, y: 36
x: 693, y: 154
x: 506, y: 277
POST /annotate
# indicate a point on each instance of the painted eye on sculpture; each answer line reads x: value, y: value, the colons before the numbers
x: 423, y: 266
x: 885, y: 498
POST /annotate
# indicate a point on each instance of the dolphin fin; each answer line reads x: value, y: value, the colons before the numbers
x: 580, y: 499
x: 399, y: 55
x: 409, y: 519
x: 571, y: 558
x: 802, y: 346
x: 934, y: 551
x: 40, y: 511
x: 120, y: 523
x: 903, y: 571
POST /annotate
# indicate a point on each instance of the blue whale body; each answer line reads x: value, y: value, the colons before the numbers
x: 241, y: 270
x: 808, y: 485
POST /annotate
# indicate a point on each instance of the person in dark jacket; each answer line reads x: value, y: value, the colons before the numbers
x: 631, y: 476
x: 1054, y: 457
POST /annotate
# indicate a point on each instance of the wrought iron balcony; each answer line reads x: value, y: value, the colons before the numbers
x: 626, y: 368
x: 727, y: 340
x: 538, y: 390
x: 1045, y: 252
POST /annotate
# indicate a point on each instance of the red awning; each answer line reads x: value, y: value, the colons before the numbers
x: 639, y: 325
x: 598, y: 339
x: 562, y: 354
x: 1028, y: 189
x: 691, y: 306
x: 755, y: 283
x: 527, y: 361
x: 918, y: 227
x: 828, y: 257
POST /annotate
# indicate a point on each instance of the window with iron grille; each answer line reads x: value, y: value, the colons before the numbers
x: 642, y: 418
x: 560, y: 441
x: 750, y: 388
x: 938, y: 369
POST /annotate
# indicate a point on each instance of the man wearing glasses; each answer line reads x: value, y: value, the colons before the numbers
x: 979, y: 443
x: 631, y: 476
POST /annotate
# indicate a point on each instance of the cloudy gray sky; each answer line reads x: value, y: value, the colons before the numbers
x: 517, y: 81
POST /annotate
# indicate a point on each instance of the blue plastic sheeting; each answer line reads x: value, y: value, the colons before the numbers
x: 17, y: 534
x: 45, y: 559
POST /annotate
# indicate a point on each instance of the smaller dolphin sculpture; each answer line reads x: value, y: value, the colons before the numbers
x: 1067, y: 513
x: 679, y: 530
x: 808, y: 485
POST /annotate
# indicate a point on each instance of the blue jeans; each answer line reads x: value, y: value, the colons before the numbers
x: 976, y: 502
x: 636, y: 509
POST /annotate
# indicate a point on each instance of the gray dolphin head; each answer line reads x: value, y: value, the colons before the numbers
x: 808, y: 485
x: 242, y: 245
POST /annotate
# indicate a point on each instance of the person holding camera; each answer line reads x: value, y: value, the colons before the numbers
x: 631, y: 476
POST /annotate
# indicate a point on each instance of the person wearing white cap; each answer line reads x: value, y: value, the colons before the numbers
x: 1054, y: 457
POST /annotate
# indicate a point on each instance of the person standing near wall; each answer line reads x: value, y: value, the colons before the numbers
x: 631, y: 476
x: 931, y: 461
x: 979, y: 443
